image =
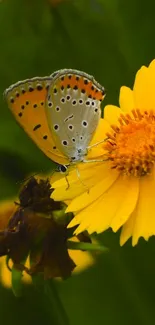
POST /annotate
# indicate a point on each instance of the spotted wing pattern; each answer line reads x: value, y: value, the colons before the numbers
x: 26, y: 99
x: 73, y: 108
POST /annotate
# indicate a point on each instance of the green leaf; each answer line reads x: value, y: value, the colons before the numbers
x: 16, y: 277
x: 86, y: 246
x: 17, y: 286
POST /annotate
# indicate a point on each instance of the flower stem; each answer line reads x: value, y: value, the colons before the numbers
x: 55, y: 306
x: 86, y: 246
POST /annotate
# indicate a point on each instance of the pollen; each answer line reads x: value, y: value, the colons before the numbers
x: 131, y: 144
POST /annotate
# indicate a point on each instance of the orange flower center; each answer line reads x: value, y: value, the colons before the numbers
x: 131, y: 145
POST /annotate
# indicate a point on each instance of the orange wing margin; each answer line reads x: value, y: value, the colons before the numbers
x: 26, y: 100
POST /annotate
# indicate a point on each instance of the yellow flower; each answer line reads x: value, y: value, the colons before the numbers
x: 120, y: 191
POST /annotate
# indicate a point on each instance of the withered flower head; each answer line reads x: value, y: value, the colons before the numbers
x: 34, y: 231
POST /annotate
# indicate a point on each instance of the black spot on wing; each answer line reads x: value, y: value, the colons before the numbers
x: 36, y: 127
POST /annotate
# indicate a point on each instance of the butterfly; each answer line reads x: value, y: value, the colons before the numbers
x: 60, y: 113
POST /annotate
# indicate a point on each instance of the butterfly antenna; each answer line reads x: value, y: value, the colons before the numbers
x: 26, y: 179
x: 97, y: 143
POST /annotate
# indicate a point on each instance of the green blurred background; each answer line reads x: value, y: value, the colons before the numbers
x: 109, y: 39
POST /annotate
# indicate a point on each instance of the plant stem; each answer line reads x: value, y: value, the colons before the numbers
x: 86, y: 246
x: 55, y: 306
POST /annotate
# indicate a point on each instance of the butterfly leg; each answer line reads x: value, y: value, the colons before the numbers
x: 63, y: 169
x: 79, y: 177
x: 68, y: 186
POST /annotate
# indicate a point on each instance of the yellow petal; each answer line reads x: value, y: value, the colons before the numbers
x: 98, y: 216
x: 140, y: 88
x: 128, y: 204
x: 126, y: 99
x: 144, y: 86
x: 142, y: 223
x: 85, y: 217
x: 98, y: 140
x: 152, y: 65
x: 78, y: 183
x: 127, y: 229
x: 113, y: 201
x: 112, y: 113
x: 57, y: 176
x: 145, y: 216
x: 106, y: 179
x: 100, y: 133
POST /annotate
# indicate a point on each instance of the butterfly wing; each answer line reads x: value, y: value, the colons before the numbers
x: 73, y: 110
x: 26, y: 100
